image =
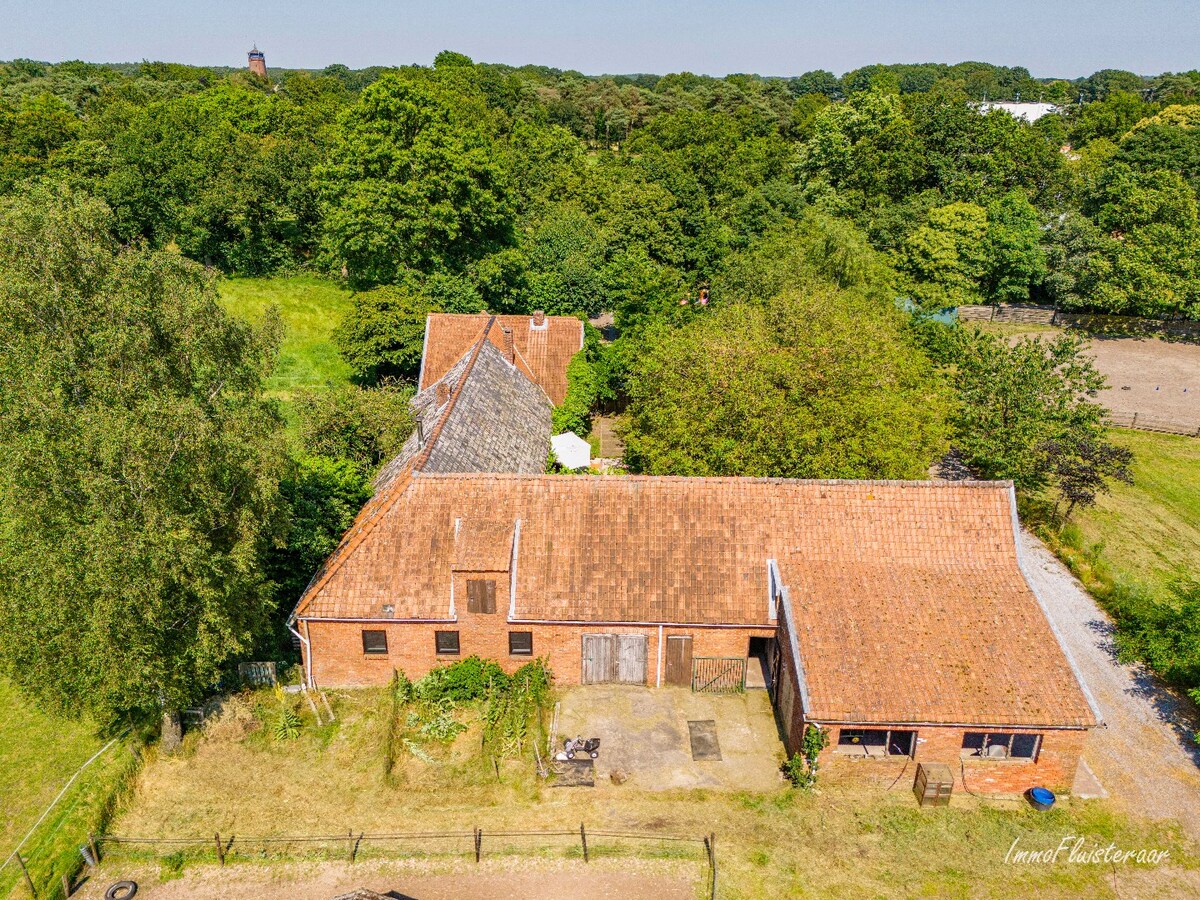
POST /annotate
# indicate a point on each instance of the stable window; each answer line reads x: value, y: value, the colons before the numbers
x: 1001, y: 745
x: 520, y: 643
x: 374, y: 643
x: 876, y: 742
x: 446, y: 642
x: 481, y: 595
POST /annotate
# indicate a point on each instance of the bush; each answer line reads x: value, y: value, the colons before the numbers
x: 463, y: 681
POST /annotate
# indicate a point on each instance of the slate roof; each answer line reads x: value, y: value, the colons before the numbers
x: 542, y: 353
x: 892, y: 583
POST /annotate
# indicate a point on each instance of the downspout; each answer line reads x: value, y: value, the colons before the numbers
x: 308, y: 679
x: 658, y: 676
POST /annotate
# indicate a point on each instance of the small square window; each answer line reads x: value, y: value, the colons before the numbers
x: 520, y: 643
x: 446, y: 643
x: 375, y: 643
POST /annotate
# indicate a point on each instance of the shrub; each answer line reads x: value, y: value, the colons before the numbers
x: 463, y: 681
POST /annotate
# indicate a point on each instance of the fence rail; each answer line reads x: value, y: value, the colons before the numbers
x: 1100, y: 323
x: 1151, y: 423
x: 582, y: 843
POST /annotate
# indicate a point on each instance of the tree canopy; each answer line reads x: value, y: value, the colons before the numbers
x: 138, y: 475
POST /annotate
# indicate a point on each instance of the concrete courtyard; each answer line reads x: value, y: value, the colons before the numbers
x: 644, y: 734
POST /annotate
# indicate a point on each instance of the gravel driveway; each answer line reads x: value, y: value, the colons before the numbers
x: 1144, y: 755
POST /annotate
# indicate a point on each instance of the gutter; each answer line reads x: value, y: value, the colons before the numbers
x: 971, y: 726
x: 378, y: 621
x: 628, y: 624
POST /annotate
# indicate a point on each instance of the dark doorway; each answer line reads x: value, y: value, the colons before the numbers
x: 758, y: 663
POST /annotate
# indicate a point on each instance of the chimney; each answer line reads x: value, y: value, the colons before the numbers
x: 443, y: 393
x: 507, y: 345
x: 539, y: 318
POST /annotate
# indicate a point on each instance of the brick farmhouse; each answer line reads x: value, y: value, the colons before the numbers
x: 895, y: 614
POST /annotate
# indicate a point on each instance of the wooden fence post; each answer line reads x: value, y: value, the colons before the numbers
x: 583, y: 839
x: 66, y: 886
x: 92, y: 847
x: 478, y: 843
x: 25, y: 872
x: 711, y: 843
x: 354, y: 852
x: 220, y: 848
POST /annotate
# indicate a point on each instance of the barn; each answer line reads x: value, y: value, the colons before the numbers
x: 894, y: 614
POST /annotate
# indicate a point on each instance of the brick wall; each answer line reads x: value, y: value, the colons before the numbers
x: 1057, y: 760
x: 338, y: 659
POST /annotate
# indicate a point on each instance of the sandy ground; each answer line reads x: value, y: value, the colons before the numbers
x: 1143, y: 755
x: 644, y: 733
x: 1157, y: 379
x: 502, y: 880
x: 1151, y: 377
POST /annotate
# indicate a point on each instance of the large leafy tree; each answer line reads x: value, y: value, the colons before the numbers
x: 138, y: 467
x: 1028, y: 413
x: 413, y: 182
x: 383, y: 335
x: 819, y: 383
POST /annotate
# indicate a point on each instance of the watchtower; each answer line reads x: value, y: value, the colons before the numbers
x: 258, y: 62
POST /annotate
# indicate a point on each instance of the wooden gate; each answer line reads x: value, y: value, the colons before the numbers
x: 614, y: 658
x: 679, y: 659
x: 718, y: 674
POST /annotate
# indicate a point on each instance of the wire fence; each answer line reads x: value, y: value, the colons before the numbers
x: 584, y: 844
x: 1143, y: 422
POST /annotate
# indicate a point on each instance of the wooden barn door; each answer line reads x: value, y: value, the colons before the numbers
x: 599, y: 658
x: 614, y: 658
x: 631, y: 658
x: 679, y: 659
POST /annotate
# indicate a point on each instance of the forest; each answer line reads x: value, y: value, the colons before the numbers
x: 159, y: 515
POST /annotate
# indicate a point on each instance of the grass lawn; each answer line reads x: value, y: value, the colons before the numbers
x: 848, y: 839
x: 310, y: 308
x: 38, y: 755
x: 1149, y: 531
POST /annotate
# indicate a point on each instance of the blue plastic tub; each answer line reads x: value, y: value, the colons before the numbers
x: 1040, y: 798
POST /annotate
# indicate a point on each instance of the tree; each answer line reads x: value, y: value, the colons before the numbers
x: 818, y: 383
x: 412, y: 181
x: 383, y: 334
x: 1012, y: 251
x: 138, y: 467
x: 1150, y: 265
x: 945, y: 258
x: 363, y: 426
x: 322, y: 497
x: 1027, y: 413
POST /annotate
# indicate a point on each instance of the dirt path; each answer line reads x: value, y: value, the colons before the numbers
x: 321, y: 881
x: 1144, y: 755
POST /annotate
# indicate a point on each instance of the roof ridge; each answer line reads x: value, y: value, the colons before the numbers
x: 422, y: 457
x: 929, y: 483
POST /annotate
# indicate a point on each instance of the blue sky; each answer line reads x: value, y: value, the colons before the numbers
x: 773, y: 37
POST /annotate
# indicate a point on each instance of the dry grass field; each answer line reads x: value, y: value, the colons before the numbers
x: 846, y: 839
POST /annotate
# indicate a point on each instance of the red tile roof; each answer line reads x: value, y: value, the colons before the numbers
x: 543, y: 353
x: 910, y: 602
